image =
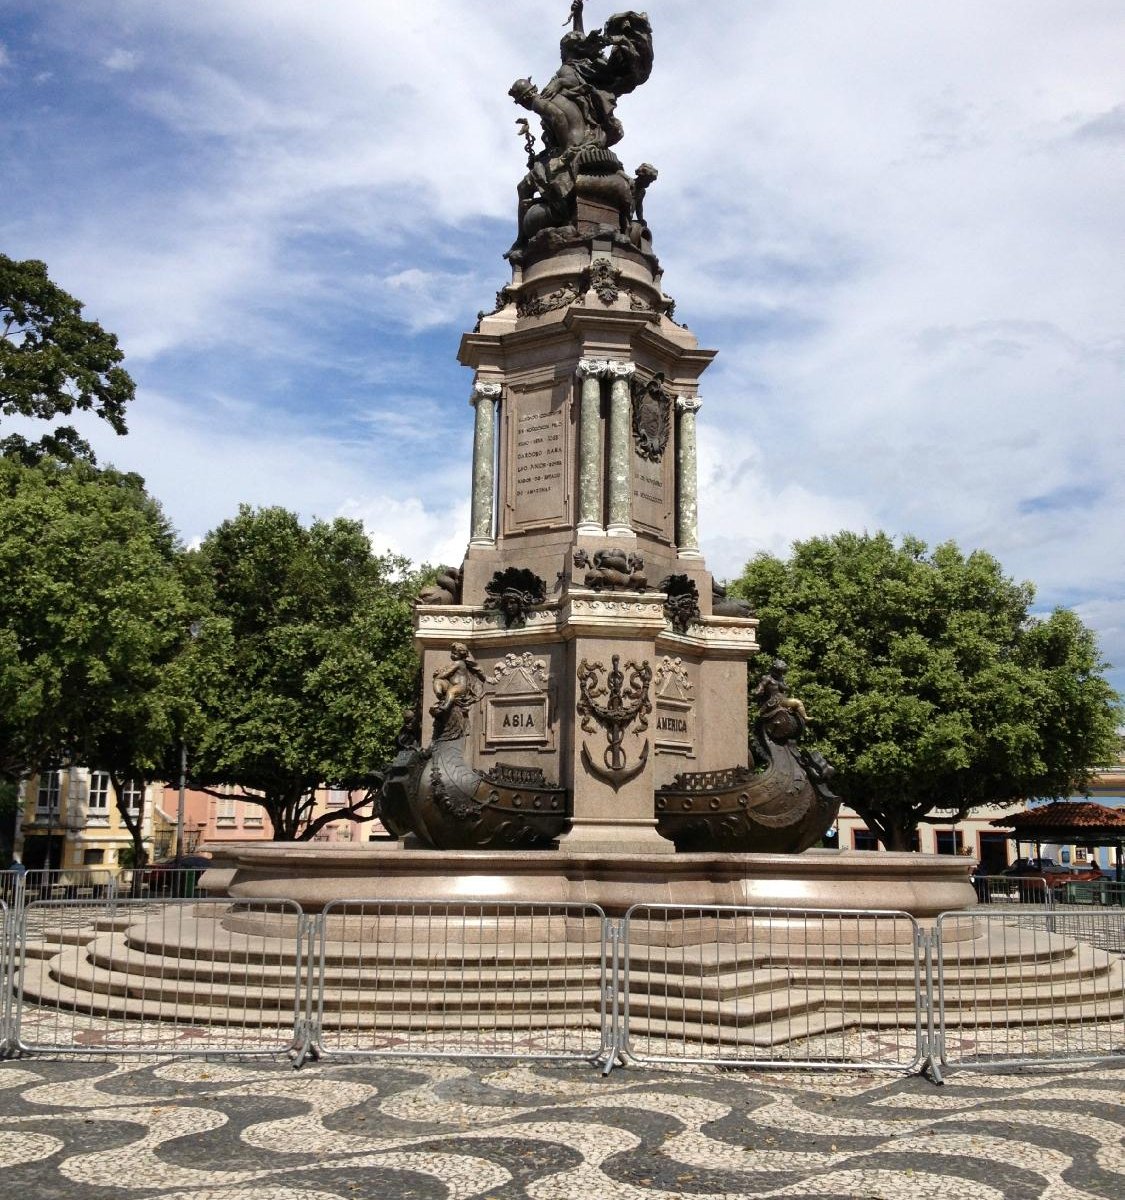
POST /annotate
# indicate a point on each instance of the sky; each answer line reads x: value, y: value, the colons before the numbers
x: 899, y: 222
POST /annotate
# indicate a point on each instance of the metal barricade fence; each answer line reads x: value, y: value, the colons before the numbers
x: 12, y: 889
x: 1012, y: 889
x: 744, y: 986
x: 474, y: 979
x: 1100, y: 924
x: 7, y: 952
x: 726, y: 985
x: 1018, y: 986
x: 1094, y: 893
x: 191, y: 976
x: 77, y: 883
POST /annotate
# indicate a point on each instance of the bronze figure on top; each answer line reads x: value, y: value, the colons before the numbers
x: 577, y: 112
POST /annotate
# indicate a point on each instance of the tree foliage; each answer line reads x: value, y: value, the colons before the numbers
x: 929, y: 685
x: 53, y: 361
x: 91, y: 615
x: 303, y: 666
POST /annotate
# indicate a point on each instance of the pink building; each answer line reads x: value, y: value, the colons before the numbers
x: 210, y: 822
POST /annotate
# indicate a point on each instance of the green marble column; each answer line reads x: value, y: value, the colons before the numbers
x: 484, y: 400
x: 687, y: 471
x: 620, y: 448
x: 591, y: 371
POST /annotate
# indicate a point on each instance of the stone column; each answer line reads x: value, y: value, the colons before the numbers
x: 591, y: 371
x: 687, y: 471
x: 620, y: 437
x: 484, y: 399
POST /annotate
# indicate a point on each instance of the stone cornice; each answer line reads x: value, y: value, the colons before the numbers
x: 442, y: 623
x: 621, y: 615
x: 734, y: 637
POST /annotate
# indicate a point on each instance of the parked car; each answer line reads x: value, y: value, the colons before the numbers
x: 176, y: 876
x: 1031, y: 866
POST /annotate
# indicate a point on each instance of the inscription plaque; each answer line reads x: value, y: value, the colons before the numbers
x: 537, y: 465
x: 652, y: 507
x: 674, y: 727
x: 516, y: 723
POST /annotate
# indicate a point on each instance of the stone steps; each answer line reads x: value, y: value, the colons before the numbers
x: 208, y: 965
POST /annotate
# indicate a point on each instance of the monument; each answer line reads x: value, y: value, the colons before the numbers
x: 583, y: 727
x: 588, y: 687
x: 581, y: 738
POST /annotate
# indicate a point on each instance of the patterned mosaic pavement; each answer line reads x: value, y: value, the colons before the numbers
x: 198, y: 1130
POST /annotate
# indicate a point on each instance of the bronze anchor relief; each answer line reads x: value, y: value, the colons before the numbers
x: 624, y: 704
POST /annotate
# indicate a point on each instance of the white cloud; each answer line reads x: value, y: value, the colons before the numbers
x: 120, y: 59
x: 899, y: 223
x: 1107, y: 616
x: 436, y: 534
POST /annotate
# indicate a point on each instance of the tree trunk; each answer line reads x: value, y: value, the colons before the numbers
x: 899, y: 835
x: 895, y: 830
x: 134, y: 826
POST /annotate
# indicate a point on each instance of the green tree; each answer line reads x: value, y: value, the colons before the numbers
x: 929, y: 685
x: 53, y: 361
x: 303, y: 665
x: 92, y: 613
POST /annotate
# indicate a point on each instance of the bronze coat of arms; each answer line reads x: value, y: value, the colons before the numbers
x: 652, y: 417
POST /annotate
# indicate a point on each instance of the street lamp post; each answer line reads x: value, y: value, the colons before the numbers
x: 193, y: 630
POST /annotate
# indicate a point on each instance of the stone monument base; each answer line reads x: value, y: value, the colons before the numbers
x: 920, y: 884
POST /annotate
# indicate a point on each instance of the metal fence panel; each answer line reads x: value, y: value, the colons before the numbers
x: 1014, y: 986
x: 772, y: 987
x: 1096, y: 893
x: 82, y: 883
x: 7, y: 953
x: 1012, y: 889
x: 472, y: 979
x: 131, y: 976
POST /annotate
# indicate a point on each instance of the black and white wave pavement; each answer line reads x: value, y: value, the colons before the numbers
x: 181, y: 1129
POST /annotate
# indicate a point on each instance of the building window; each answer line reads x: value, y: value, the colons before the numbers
x: 864, y: 839
x: 226, y: 812
x: 93, y: 858
x: 252, y: 818
x: 133, y: 796
x: 337, y: 798
x: 97, y: 803
x: 47, y: 799
x: 949, y: 841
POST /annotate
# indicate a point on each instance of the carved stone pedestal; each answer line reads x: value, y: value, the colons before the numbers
x: 597, y: 693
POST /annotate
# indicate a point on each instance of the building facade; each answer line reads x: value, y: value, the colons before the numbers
x: 69, y: 820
